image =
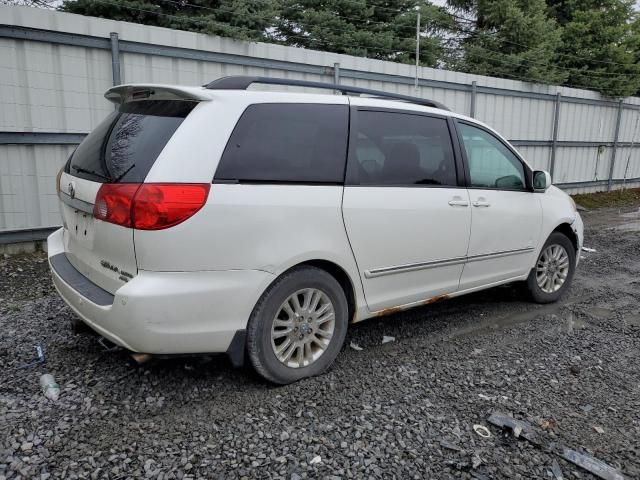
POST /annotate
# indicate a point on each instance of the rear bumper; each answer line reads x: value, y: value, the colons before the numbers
x: 163, y: 312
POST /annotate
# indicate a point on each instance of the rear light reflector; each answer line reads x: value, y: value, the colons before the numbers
x: 114, y: 202
x: 149, y: 206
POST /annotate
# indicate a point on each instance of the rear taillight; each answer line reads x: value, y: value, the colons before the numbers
x: 157, y: 205
x: 149, y: 206
x: 114, y: 203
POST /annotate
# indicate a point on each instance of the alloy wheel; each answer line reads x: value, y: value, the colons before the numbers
x: 552, y: 268
x: 303, y: 327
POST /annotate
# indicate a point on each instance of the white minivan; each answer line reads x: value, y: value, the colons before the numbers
x: 261, y: 223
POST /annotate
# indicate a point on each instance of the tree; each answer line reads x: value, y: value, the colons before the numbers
x: 508, y: 38
x: 372, y: 28
x: 583, y: 43
x: 241, y: 19
x: 600, y: 44
x: 49, y: 4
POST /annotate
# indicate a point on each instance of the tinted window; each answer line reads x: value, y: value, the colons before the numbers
x: 125, y: 145
x: 287, y: 143
x: 491, y: 163
x: 402, y: 149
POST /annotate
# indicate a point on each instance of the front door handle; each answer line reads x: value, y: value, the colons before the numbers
x: 458, y: 202
x: 481, y: 203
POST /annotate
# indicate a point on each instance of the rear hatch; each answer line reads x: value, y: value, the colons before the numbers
x: 114, y: 158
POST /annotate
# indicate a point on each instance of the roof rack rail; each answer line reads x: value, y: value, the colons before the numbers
x: 241, y: 82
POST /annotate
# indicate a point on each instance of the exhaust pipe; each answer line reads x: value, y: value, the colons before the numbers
x: 140, y: 358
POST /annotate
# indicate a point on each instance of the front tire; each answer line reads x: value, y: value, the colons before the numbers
x: 553, y: 272
x: 298, y: 326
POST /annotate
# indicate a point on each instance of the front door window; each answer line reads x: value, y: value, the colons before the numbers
x: 491, y: 163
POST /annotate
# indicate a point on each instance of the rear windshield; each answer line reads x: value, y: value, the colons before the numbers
x: 125, y: 145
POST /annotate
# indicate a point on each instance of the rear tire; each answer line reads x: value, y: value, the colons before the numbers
x: 553, y: 272
x: 298, y: 326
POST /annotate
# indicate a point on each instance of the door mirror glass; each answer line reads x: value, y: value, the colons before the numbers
x: 541, y: 180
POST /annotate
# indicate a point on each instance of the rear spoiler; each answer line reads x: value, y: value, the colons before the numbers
x: 134, y: 92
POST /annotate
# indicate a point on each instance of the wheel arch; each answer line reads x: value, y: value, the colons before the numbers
x: 253, y: 338
x: 567, y: 231
x: 341, y: 276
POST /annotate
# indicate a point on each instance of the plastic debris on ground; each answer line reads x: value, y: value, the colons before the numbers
x: 556, y: 470
x: 527, y: 431
x: 593, y: 465
x: 50, y: 388
x: 482, y: 431
x: 41, y: 358
x: 386, y: 339
x: 450, y: 446
x: 587, y: 249
x: 355, y: 346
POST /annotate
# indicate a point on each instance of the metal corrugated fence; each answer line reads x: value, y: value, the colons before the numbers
x: 55, y: 68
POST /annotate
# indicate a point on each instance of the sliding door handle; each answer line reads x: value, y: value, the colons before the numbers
x: 458, y: 202
x: 481, y: 203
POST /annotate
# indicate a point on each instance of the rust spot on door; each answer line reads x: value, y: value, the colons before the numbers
x: 388, y: 311
x: 437, y: 298
x: 401, y: 308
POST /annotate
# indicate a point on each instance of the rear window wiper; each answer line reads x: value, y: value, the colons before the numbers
x: 119, y: 177
x: 90, y: 172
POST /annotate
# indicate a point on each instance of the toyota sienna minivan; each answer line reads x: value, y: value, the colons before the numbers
x: 262, y: 223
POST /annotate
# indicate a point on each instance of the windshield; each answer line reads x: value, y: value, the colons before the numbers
x: 124, y: 147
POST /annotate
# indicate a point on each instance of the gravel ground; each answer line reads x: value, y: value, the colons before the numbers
x: 405, y: 409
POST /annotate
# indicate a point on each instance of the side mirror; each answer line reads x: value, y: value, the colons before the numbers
x: 541, y: 180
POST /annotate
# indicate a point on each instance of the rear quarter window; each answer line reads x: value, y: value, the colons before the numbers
x: 304, y: 143
x: 124, y: 147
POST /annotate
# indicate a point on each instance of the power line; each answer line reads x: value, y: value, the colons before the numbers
x: 526, y: 62
x: 524, y: 78
x: 461, y: 18
x: 407, y: 27
x: 523, y: 62
x: 471, y: 32
x: 568, y: 55
x: 545, y: 64
x: 220, y: 9
x: 345, y: 17
x: 207, y: 22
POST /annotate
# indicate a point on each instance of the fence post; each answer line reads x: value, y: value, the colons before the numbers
x: 615, y: 146
x: 336, y: 73
x: 474, y: 92
x: 554, y: 140
x: 115, y: 59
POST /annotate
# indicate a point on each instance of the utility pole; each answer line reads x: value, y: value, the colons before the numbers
x: 417, y: 48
